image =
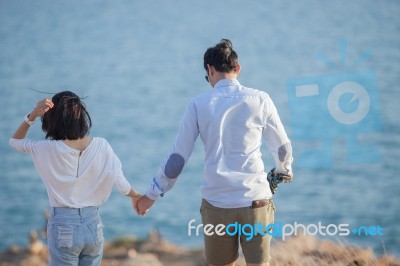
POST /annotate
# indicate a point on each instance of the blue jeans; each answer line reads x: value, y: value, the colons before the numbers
x: 75, y: 236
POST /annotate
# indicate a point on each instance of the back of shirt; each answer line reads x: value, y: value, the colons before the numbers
x: 232, y: 121
x: 74, y: 178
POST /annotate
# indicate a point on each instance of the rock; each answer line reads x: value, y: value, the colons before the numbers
x: 156, y: 251
x: 142, y: 259
x: 132, y: 253
x: 15, y: 249
x: 36, y: 247
x: 156, y: 244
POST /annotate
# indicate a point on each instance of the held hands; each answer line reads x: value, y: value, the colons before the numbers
x: 143, y: 205
x: 140, y: 203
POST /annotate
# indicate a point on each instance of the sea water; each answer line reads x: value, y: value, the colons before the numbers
x: 140, y: 62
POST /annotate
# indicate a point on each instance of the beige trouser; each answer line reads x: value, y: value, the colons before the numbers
x: 224, y: 249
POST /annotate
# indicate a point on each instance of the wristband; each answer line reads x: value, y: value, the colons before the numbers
x: 29, y: 122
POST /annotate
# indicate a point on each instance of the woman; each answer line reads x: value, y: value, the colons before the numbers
x: 78, y: 172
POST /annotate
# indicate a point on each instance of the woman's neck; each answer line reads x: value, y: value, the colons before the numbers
x: 78, y: 144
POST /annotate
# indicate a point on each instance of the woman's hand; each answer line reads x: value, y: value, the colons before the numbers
x: 41, y: 108
x: 135, y: 199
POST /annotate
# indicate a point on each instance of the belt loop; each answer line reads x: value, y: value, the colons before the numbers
x: 81, y: 212
x: 52, y: 212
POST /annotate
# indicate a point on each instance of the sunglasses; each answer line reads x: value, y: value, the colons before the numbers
x: 206, y: 77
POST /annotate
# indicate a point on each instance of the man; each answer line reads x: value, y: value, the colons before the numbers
x: 232, y: 120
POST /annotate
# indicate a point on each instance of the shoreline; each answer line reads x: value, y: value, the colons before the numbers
x: 156, y: 251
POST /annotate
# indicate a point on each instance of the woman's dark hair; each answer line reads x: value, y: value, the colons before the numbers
x: 68, y: 119
x: 222, y: 57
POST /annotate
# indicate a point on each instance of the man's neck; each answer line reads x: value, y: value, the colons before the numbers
x: 220, y: 75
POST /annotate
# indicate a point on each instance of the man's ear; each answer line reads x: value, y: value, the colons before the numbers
x: 237, y: 69
x: 211, y: 70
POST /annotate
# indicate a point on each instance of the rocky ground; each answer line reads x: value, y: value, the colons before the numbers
x: 156, y: 251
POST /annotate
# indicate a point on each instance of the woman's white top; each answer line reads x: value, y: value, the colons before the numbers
x: 74, y: 178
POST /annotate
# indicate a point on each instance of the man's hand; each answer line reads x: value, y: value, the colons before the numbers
x: 275, y: 178
x: 144, y: 204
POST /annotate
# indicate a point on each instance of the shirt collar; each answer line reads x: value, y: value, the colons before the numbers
x: 226, y: 83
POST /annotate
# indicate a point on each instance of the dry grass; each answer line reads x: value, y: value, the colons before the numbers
x: 307, y: 250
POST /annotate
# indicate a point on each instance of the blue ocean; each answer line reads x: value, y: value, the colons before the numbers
x: 138, y: 63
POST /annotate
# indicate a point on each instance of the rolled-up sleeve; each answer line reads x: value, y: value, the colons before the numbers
x: 276, y: 139
x: 177, y: 157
